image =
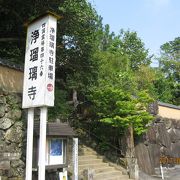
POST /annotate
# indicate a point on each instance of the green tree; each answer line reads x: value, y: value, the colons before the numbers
x: 163, y: 87
x: 117, y: 99
x: 76, y: 38
x: 169, y: 65
x: 128, y: 44
x: 133, y: 46
x: 170, y: 59
x: 120, y: 109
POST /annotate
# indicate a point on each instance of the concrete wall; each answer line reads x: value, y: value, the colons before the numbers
x: 11, y: 80
x: 168, y: 112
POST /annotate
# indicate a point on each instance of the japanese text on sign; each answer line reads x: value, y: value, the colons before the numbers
x: 39, y: 73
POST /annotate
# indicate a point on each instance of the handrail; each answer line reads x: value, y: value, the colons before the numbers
x: 101, y: 139
x: 116, y: 148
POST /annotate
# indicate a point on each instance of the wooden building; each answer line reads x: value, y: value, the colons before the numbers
x: 58, y: 148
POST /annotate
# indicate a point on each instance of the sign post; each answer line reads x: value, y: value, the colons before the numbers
x: 42, y: 143
x: 75, y: 158
x: 29, y: 148
x: 39, y: 78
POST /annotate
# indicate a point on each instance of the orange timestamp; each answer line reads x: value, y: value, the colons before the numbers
x: 169, y: 160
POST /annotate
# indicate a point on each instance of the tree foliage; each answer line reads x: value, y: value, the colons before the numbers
x: 117, y: 98
x: 167, y: 84
x: 127, y: 43
x: 76, y: 38
x: 120, y: 109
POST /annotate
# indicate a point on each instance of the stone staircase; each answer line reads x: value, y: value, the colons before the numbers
x: 101, y: 170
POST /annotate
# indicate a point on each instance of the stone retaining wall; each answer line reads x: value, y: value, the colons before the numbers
x: 12, y: 132
x: 161, y: 140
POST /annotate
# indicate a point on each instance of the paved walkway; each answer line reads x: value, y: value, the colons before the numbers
x: 169, y: 174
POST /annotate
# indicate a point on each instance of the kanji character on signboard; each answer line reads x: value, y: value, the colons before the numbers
x: 51, y: 60
x: 34, y: 36
x: 51, y: 37
x: 34, y: 54
x: 52, y: 30
x: 32, y: 92
x: 51, y: 52
x: 50, y: 75
x: 51, y: 44
x: 43, y: 25
x: 33, y: 73
x: 43, y: 30
x: 50, y: 68
x: 43, y: 37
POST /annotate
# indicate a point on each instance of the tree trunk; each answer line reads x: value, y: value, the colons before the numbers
x: 75, y: 100
x: 130, y: 152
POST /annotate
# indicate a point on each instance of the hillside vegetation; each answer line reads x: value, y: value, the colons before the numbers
x: 101, y: 77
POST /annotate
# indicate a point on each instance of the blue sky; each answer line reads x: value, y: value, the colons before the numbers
x: 155, y: 21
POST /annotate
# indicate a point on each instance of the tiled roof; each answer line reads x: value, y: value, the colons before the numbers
x: 168, y: 105
x: 56, y: 129
x: 10, y: 64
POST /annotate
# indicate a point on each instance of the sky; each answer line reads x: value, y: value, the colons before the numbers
x: 155, y: 21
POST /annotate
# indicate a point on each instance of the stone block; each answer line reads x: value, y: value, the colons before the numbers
x: 162, y: 136
x: 11, y: 156
x: 5, y: 123
x: 14, y: 114
x: 4, y: 165
x: 12, y: 148
x: 175, y: 148
x: 174, y: 134
x: 176, y: 124
x: 2, y: 99
x: 15, y: 133
x: 2, y: 110
x: 168, y: 123
x: 151, y: 135
x: 1, y: 134
x: 143, y: 158
x: 165, y: 151
x: 177, y: 133
x: 2, y: 146
x: 13, y: 99
x: 171, y: 134
x: 154, y: 154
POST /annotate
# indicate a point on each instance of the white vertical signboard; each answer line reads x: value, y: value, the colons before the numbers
x: 39, y: 73
x: 39, y: 78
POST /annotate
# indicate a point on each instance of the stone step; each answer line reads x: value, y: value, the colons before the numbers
x: 91, y: 156
x: 114, y: 178
x: 86, y: 149
x: 110, y: 176
x: 100, y: 169
x: 113, y: 173
x: 89, y: 152
x: 90, y: 161
x: 93, y: 165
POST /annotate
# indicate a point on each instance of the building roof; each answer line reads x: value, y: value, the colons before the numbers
x: 169, y: 105
x: 56, y: 129
x: 10, y: 64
